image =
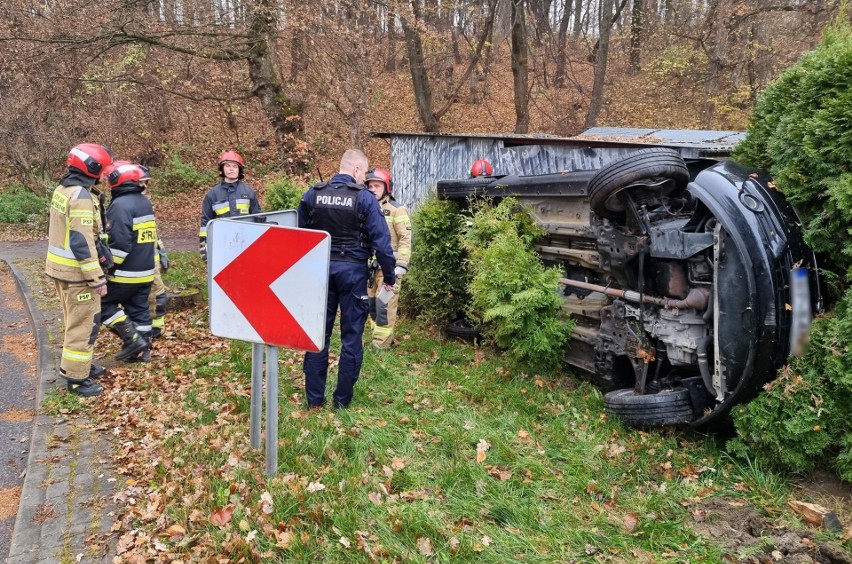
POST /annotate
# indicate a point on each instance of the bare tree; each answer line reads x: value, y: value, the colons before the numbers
x: 601, y: 57
x: 520, y: 67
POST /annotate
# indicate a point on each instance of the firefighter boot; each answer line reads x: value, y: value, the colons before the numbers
x: 86, y: 388
x: 133, y: 342
x: 146, y: 354
x: 96, y: 371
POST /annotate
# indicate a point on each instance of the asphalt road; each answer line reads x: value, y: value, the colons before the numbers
x: 18, y: 379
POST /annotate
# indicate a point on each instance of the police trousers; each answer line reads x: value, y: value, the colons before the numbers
x: 81, y: 312
x: 347, y: 289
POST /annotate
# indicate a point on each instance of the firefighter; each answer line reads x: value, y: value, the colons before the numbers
x: 132, y: 234
x: 230, y: 197
x: 481, y: 168
x: 383, y: 315
x: 74, y: 264
x: 158, y: 298
x: 346, y: 210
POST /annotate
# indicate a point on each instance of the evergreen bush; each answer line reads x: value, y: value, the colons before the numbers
x: 283, y: 193
x: 802, y: 420
x: 802, y: 134
x: 436, y: 283
x: 20, y: 205
x: 177, y: 176
x: 514, y: 297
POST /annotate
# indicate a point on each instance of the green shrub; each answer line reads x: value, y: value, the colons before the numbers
x: 20, y: 205
x: 802, y: 421
x: 802, y: 134
x: 514, y: 296
x: 436, y: 284
x: 178, y: 176
x: 283, y: 193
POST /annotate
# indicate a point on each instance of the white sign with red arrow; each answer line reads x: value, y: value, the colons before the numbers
x: 268, y: 284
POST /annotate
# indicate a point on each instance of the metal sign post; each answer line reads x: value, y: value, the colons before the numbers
x: 268, y: 285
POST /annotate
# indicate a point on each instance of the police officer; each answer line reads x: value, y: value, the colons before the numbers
x: 132, y: 234
x: 481, y: 168
x: 73, y: 263
x: 158, y: 299
x: 230, y: 197
x: 352, y: 216
x: 383, y: 314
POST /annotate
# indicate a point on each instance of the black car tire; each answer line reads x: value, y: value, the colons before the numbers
x: 666, y: 407
x: 460, y: 330
x: 658, y: 169
x: 463, y: 188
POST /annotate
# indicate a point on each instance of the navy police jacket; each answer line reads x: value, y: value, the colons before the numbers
x: 352, y: 216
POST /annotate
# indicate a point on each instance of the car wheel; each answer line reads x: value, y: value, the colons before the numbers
x: 666, y: 407
x: 460, y: 330
x: 656, y: 172
x: 463, y: 188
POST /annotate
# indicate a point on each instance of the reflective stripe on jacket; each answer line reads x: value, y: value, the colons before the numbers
x: 399, y: 225
x: 132, y: 235
x: 227, y: 200
x: 74, y: 225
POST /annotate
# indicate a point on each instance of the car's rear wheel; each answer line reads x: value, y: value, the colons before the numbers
x: 666, y: 407
x: 649, y: 175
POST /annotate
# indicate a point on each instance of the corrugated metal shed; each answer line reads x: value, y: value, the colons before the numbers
x: 419, y: 160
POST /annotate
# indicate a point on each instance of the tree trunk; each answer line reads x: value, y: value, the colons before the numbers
x: 637, y: 24
x: 520, y: 67
x: 419, y: 78
x: 605, y: 27
x: 561, y: 41
x: 284, y: 116
x: 578, y: 18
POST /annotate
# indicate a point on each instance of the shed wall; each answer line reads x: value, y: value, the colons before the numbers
x: 419, y: 162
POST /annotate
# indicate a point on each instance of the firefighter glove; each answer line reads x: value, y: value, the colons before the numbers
x: 202, y: 248
x: 164, y: 260
x: 400, y: 270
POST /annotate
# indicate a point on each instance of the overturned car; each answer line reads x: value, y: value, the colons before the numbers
x: 689, y: 281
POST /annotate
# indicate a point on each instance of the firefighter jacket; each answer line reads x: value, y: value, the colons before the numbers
x: 353, y: 218
x: 227, y: 199
x: 399, y: 225
x: 74, y: 228
x: 132, y: 235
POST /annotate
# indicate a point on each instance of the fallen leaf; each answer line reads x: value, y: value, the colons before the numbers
x: 345, y: 542
x: 397, y: 463
x: 454, y: 545
x: 481, y: 448
x: 424, y: 545
x: 375, y: 498
x: 266, y: 502
x: 315, y: 487
x: 629, y: 522
x: 175, y: 532
x: 486, y: 540
x: 222, y: 516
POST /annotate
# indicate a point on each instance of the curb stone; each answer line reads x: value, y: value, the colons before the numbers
x: 66, y: 510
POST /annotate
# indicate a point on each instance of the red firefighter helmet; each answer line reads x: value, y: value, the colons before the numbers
x: 89, y: 158
x: 121, y: 172
x: 230, y: 156
x: 383, y: 176
x: 481, y: 168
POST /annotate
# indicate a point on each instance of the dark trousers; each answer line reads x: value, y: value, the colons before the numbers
x: 347, y: 288
x: 133, y: 298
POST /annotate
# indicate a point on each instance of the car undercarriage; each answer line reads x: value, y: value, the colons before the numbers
x: 689, y: 281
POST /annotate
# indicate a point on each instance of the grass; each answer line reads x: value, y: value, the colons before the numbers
x: 446, y: 453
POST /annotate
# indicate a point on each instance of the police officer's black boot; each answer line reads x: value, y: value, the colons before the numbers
x: 134, y: 343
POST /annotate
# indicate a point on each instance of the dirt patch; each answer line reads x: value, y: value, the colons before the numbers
x: 750, y: 537
x: 9, y: 500
x: 17, y: 415
x: 9, y: 289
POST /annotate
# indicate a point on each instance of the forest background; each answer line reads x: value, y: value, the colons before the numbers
x: 292, y: 83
